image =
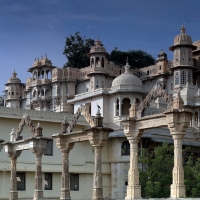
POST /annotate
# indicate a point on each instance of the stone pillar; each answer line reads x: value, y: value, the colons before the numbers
x: 115, y: 108
x: 133, y: 188
x: 65, y: 190
x: 97, y: 176
x: 38, y: 193
x: 178, y: 119
x: 178, y: 187
x: 13, y: 179
x: 120, y: 107
x: 193, y: 120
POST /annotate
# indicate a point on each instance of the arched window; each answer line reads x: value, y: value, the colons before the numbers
x: 147, y: 72
x: 102, y: 62
x: 183, y: 77
x: 125, y: 148
x: 117, y: 107
x: 176, y: 78
x: 42, y: 92
x: 97, y: 61
x: 34, y: 93
x: 125, y: 106
x: 92, y: 62
x: 189, y: 77
x: 160, y: 67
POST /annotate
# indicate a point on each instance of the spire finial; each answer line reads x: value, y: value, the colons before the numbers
x: 127, y: 60
x: 183, y: 29
x: 14, y: 74
x: 127, y: 66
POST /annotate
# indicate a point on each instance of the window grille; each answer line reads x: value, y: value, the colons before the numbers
x: 21, y: 180
x: 183, y: 77
x: 74, y: 182
x: 48, y: 181
x: 125, y: 148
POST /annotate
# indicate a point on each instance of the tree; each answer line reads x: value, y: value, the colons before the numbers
x: 76, y: 49
x: 156, y: 172
x: 136, y: 58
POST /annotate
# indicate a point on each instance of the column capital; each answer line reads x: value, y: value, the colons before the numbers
x: 98, y: 135
x: 39, y: 146
x: 68, y: 148
x: 14, y: 154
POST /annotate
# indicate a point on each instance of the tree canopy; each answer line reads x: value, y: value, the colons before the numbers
x: 77, y: 47
x: 156, y: 172
x: 76, y: 50
x: 136, y: 58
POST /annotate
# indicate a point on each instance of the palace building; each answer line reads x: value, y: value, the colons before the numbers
x: 113, y: 89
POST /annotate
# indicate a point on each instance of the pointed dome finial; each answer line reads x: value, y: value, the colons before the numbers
x: 127, y: 60
x: 183, y: 29
x: 14, y: 74
x: 127, y: 66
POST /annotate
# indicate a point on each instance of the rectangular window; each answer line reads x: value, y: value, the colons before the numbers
x: 48, y: 181
x: 49, y: 149
x: 21, y: 181
x: 74, y: 182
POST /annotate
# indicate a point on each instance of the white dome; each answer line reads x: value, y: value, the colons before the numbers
x: 127, y: 81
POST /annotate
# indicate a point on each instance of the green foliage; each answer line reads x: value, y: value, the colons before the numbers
x: 156, y: 173
x: 76, y: 50
x: 137, y: 58
x: 192, y: 176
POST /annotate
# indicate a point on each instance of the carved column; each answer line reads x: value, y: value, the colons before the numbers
x: 120, y: 107
x: 98, y: 137
x: 133, y: 134
x: 178, y: 119
x: 65, y: 190
x: 133, y: 188
x: 13, y: 179
x: 178, y: 187
x: 38, y: 151
x: 38, y: 193
x: 97, y: 176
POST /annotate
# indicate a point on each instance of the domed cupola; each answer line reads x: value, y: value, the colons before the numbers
x: 127, y: 81
x: 98, y: 48
x: 183, y: 40
x: 162, y: 55
x: 14, y: 78
x: 183, y: 60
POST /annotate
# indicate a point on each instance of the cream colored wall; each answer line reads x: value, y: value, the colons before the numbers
x: 81, y: 161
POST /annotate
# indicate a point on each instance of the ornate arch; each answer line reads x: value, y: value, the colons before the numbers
x: 85, y: 112
x: 25, y: 120
x: 157, y: 91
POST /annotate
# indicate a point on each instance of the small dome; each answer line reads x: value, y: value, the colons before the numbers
x: 98, y: 47
x: 182, y: 38
x: 14, y: 78
x: 162, y: 55
x: 127, y: 80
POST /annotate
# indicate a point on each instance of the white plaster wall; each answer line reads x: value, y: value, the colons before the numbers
x: 148, y: 85
x: 97, y: 100
x: 82, y: 87
x: 170, y: 79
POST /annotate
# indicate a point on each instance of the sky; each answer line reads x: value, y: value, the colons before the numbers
x: 30, y: 29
